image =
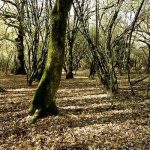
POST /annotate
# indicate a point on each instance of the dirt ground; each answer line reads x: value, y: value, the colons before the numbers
x: 88, y: 119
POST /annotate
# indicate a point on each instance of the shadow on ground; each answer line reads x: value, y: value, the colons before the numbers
x: 87, y: 119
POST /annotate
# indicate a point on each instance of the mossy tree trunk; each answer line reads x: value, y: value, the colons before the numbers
x: 43, y: 102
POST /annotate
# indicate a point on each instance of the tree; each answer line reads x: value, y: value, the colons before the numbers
x: 109, y: 20
x: 14, y: 18
x: 43, y: 102
x: 103, y: 54
x: 72, y: 32
x: 37, y: 25
x: 144, y: 32
x: 129, y: 43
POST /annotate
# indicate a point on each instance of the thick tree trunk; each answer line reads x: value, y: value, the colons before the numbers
x: 20, y: 69
x: 44, y: 99
x: 20, y: 66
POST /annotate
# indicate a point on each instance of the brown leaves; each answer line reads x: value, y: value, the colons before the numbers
x: 88, y: 119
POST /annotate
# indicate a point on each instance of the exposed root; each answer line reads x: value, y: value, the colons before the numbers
x: 35, y: 116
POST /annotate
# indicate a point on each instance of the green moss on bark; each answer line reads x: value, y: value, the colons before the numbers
x: 43, y: 102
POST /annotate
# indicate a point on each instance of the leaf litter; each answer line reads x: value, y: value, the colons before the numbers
x: 88, y: 119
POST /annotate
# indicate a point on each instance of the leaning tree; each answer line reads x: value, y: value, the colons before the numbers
x: 43, y: 102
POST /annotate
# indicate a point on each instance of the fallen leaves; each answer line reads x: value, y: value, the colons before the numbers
x: 88, y: 119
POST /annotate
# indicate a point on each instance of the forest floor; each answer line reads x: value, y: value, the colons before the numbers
x: 88, y: 119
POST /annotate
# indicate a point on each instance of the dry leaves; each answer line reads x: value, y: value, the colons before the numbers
x: 88, y: 119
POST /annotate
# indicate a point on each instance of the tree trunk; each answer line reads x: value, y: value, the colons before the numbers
x: 20, y: 66
x: 148, y: 60
x: 69, y: 74
x: 113, y: 85
x: 20, y: 53
x: 92, y: 71
x: 43, y: 102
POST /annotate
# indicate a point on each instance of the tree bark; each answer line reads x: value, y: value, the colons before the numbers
x: 69, y: 74
x: 148, y: 60
x: 20, y: 66
x: 20, y: 69
x: 43, y: 102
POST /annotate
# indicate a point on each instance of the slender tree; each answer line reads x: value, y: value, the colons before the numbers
x: 37, y: 20
x: 43, y: 102
x: 71, y: 37
x: 129, y: 45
